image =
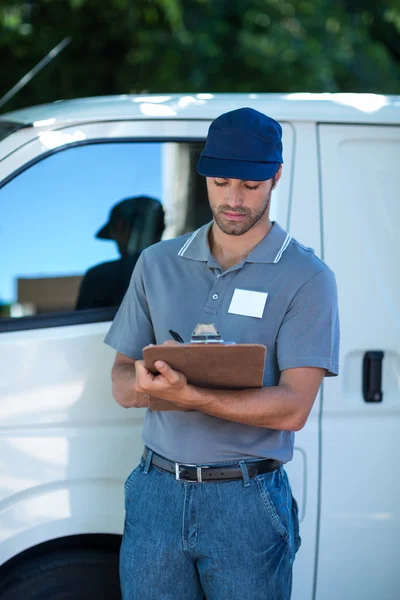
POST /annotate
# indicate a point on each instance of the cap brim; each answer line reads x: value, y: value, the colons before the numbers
x: 236, y: 169
x: 104, y: 233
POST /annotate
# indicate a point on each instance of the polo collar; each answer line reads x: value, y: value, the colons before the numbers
x: 197, y: 246
x: 271, y: 247
x: 269, y: 250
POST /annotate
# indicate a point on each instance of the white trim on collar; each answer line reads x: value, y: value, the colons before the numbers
x: 283, y: 248
x: 187, y: 243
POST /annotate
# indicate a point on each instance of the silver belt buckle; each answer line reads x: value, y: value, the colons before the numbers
x: 198, y: 470
x: 177, y: 471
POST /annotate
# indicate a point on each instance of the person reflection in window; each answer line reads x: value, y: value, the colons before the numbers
x: 133, y: 224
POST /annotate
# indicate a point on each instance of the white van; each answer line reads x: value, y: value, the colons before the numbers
x: 66, y: 446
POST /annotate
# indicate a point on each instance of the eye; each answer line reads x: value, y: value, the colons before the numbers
x: 251, y: 187
x: 220, y: 184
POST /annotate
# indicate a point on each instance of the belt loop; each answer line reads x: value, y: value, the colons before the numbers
x: 148, y: 461
x: 245, y: 473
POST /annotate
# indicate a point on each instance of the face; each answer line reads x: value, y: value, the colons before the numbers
x: 237, y: 205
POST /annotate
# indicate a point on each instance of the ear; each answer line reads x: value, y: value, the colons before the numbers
x: 277, y: 177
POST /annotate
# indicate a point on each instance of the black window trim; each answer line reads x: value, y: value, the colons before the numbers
x: 76, y: 317
x: 58, y: 319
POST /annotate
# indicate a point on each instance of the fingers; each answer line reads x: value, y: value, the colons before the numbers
x: 174, y: 378
x: 168, y: 379
x: 143, y: 377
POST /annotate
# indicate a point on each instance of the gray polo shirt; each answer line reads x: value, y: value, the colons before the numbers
x: 178, y: 283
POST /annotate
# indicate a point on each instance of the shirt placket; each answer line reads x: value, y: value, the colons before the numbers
x: 215, y: 296
x: 219, y: 288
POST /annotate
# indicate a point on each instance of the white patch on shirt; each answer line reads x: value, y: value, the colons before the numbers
x: 248, y: 303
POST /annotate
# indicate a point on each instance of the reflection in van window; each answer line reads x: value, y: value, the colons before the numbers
x: 74, y: 223
x: 134, y: 224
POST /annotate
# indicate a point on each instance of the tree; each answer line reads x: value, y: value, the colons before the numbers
x: 200, y: 46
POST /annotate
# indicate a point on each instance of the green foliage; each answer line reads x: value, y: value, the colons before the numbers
x: 124, y: 46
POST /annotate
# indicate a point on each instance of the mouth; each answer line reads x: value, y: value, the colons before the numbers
x: 234, y: 216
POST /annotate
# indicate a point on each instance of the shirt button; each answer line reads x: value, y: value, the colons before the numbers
x: 215, y: 296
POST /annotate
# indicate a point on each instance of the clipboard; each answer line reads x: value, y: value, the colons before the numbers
x: 219, y: 366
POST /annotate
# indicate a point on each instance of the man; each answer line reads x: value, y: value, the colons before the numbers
x: 209, y: 510
x: 133, y: 224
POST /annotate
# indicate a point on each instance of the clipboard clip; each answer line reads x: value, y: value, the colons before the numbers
x: 206, y: 333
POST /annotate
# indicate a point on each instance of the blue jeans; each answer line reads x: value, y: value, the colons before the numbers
x: 227, y: 540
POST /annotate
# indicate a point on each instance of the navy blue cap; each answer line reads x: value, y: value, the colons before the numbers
x: 242, y: 144
x: 129, y: 209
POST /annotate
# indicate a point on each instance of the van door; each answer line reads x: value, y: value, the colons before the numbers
x: 66, y: 446
x: 360, y: 509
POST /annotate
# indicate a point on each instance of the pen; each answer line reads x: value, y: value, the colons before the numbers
x: 176, y: 336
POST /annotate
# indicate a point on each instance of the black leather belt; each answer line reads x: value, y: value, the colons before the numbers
x: 193, y: 473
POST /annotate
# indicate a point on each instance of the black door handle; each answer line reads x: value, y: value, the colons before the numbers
x: 372, y: 376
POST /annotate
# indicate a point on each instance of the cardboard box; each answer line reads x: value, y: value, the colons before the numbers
x: 49, y: 294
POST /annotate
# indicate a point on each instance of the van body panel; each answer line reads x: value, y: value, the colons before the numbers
x: 60, y: 510
x: 66, y: 445
x: 360, y: 509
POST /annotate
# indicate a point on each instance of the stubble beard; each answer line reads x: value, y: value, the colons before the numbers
x: 241, y: 227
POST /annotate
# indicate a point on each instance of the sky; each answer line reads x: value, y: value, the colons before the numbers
x: 49, y: 213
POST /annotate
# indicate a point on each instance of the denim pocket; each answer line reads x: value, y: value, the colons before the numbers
x: 275, y: 493
x: 296, y: 528
x: 132, y: 476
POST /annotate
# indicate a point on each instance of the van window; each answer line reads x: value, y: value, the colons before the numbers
x: 74, y: 223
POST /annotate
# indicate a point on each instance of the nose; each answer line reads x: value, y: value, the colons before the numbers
x: 233, y: 196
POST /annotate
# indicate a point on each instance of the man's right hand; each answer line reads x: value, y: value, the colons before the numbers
x: 124, y: 382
